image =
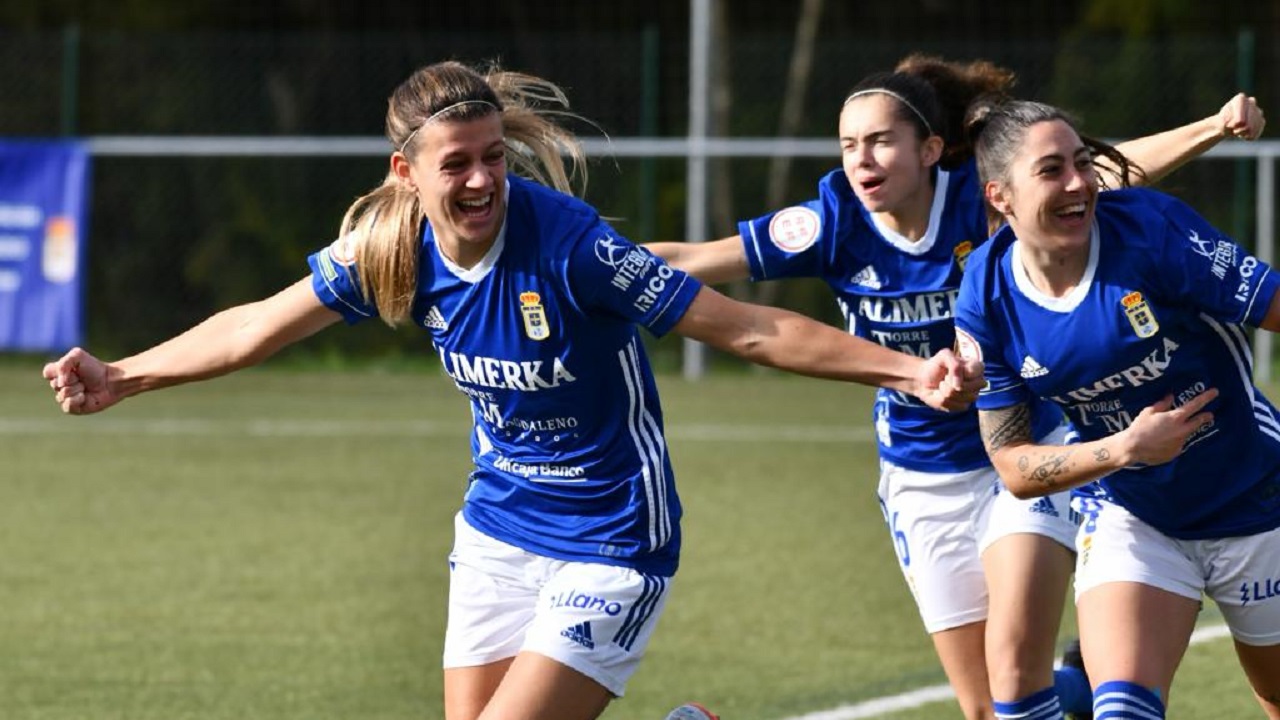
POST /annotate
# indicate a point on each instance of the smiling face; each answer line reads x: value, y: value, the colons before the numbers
x: 459, y: 172
x: 885, y: 161
x: 1050, y: 191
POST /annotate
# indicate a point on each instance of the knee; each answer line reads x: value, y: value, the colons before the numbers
x: 977, y: 708
x: 1018, y: 672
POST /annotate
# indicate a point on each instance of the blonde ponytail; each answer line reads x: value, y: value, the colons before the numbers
x: 385, y: 228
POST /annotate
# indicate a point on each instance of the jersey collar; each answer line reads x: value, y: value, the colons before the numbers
x: 477, y: 272
x: 1067, y: 302
x: 924, y: 244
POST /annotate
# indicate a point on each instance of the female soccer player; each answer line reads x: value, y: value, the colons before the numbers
x: 1125, y: 309
x: 890, y: 234
x: 569, y: 531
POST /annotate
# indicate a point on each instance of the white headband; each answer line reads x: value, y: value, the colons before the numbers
x: 442, y: 111
x: 897, y: 97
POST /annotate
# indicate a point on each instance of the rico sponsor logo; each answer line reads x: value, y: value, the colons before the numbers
x: 1152, y: 367
x: 1258, y: 590
x: 648, y: 297
x: 526, y: 376
x: 925, y: 307
x: 583, y: 601
x: 1247, y: 268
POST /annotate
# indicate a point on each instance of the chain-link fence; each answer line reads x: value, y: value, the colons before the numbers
x: 173, y: 238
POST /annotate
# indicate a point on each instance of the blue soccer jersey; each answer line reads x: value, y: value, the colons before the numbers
x: 570, y: 457
x: 893, y: 291
x: 1157, y: 313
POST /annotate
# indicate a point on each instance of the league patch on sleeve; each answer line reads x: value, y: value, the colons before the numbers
x: 966, y: 347
x: 343, y: 250
x: 794, y: 229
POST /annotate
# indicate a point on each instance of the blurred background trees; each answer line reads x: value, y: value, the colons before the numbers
x: 174, y: 238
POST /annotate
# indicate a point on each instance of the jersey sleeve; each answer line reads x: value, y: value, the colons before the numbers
x: 335, y: 282
x: 791, y: 242
x: 1203, y: 267
x: 979, y: 337
x: 608, y: 273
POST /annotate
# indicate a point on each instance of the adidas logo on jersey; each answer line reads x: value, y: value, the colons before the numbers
x: 1031, y: 368
x: 581, y: 634
x: 1044, y: 506
x: 435, y: 319
x: 867, y: 277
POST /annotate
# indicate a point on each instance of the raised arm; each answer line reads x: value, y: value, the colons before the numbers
x: 1030, y: 470
x: 1162, y: 153
x: 789, y: 341
x: 714, y: 262
x: 232, y: 339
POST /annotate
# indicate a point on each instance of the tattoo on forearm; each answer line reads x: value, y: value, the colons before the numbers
x: 1101, y: 455
x: 1049, y: 468
x: 1003, y: 426
x: 1007, y: 426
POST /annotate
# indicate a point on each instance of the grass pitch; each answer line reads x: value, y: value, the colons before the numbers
x: 272, y: 545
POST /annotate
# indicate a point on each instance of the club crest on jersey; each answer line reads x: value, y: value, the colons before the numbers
x: 535, y: 317
x: 794, y: 229
x: 961, y: 253
x: 1140, y: 315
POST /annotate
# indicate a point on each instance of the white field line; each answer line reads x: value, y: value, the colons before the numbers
x: 715, y: 432
x: 879, y: 707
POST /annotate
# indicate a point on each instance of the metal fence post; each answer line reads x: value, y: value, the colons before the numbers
x: 694, y: 355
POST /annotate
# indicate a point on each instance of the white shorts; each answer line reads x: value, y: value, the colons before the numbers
x: 596, y: 619
x: 942, y: 522
x: 1240, y: 574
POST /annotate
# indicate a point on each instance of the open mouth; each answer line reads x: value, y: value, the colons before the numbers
x: 476, y: 207
x: 870, y: 185
x: 1073, y: 212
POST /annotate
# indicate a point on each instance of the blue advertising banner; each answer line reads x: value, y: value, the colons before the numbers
x: 43, y: 187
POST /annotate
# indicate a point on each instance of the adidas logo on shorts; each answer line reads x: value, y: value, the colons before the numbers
x: 1045, y: 506
x: 581, y: 634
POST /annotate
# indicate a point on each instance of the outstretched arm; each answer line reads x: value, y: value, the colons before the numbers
x: 232, y: 339
x: 714, y: 262
x: 789, y: 341
x: 1030, y: 470
x: 1162, y: 153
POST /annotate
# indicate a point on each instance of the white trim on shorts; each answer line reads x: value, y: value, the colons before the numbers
x: 941, y: 523
x: 1240, y: 574
x: 595, y: 618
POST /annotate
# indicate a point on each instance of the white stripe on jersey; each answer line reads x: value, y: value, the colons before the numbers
x: 670, y: 299
x: 1256, y: 288
x: 647, y: 448
x: 337, y: 294
x: 655, y: 432
x: 482, y: 440
x: 755, y: 245
x: 1237, y: 342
